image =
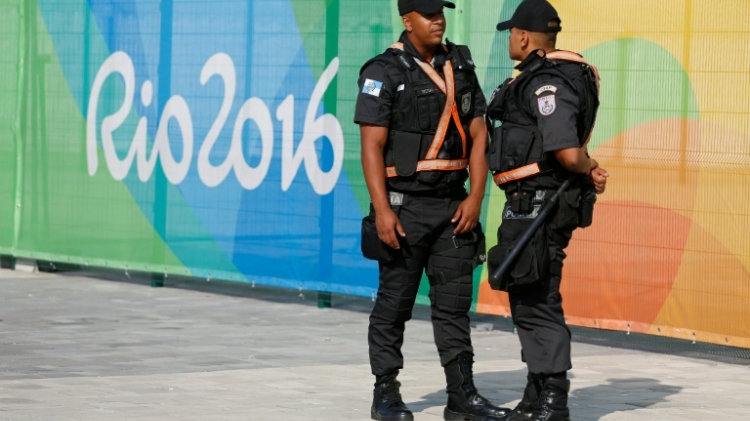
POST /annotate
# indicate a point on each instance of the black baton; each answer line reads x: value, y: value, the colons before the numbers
x: 497, y: 274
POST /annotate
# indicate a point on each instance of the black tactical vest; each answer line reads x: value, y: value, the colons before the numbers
x: 516, y: 156
x: 414, y: 162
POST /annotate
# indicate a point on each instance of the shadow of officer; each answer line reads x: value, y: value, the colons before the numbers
x: 598, y: 401
x: 498, y: 382
x: 591, y: 402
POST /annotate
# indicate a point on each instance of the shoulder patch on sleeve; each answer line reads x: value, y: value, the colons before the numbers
x: 546, y: 104
x: 546, y: 88
x: 372, y: 87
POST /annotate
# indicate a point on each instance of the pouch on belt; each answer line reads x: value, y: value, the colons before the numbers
x: 372, y: 247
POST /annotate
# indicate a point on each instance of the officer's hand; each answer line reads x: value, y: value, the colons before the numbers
x: 388, y: 227
x: 467, y: 215
x: 599, y: 176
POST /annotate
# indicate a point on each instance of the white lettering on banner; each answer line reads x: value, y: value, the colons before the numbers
x: 254, y: 109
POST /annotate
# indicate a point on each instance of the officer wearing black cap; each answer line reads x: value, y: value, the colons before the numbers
x: 547, y: 114
x: 420, y: 109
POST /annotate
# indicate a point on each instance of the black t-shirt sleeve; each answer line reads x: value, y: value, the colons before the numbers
x: 374, y: 96
x: 555, y: 106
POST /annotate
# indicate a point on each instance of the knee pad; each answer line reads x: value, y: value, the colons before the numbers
x: 393, y: 307
x: 446, y: 266
x: 445, y: 269
x: 452, y: 284
x: 397, y: 292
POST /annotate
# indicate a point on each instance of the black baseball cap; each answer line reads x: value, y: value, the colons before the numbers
x: 422, y: 6
x: 534, y: 16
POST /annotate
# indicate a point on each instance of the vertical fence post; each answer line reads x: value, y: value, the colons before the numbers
x: 160, y: 180
x: 330, y: 98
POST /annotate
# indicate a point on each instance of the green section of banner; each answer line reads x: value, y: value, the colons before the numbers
x: 10, y: 26
x: 643, y: 82
x: 67, y: 215
x: 62, y: 210
x: 311, y: 23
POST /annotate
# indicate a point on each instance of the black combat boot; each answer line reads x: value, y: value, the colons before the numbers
x: 528, y: 403
x: 464, y: 402
x: 387, y: 404
x: 553, y: 401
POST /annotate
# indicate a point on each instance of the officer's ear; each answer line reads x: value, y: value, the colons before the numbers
x: 406, y: 22
x: 524, y: 37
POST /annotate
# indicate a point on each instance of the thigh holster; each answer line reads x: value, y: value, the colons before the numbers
x: 532, y: 264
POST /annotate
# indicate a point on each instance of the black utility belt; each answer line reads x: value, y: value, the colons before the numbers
x: 523, y: 204
x: 445, y: 192
x: 575, y: 207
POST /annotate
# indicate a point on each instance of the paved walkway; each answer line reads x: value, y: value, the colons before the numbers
x: 76, y: 348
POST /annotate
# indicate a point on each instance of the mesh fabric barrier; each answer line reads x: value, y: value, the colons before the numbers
x: 215, y: 140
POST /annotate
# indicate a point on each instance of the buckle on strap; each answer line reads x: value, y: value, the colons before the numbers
x: 460, y: 242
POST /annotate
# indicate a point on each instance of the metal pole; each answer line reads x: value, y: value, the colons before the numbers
x: 330, y: 98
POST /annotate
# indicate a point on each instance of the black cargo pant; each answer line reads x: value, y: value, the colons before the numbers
x: 429, y: 246
x: 538, y: 315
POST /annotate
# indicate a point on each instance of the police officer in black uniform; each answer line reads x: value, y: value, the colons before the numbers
x: 546, y: 115
x: 420, y: 111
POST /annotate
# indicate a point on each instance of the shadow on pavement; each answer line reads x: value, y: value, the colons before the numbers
x: 500, y: 387
x: 619, y: 395
x: 505, y: 388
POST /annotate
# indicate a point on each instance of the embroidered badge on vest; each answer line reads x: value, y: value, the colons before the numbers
x: 466, y: 103
x: 546, y: 105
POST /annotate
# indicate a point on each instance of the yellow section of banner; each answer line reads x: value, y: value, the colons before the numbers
x: 669, y: 251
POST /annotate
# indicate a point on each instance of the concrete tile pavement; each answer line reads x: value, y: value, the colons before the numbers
x: 77, y: 348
